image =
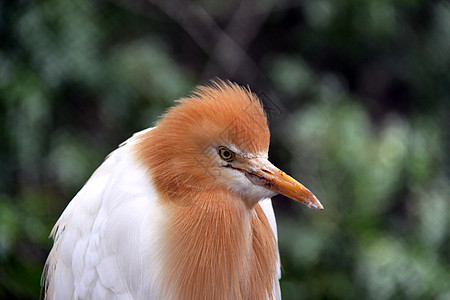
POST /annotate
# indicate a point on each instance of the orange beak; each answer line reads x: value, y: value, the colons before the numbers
x: 262, y: 172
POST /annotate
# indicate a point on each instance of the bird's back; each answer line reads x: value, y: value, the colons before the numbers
x: 99, y: 237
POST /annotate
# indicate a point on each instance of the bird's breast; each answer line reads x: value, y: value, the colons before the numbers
x: 217, y: 248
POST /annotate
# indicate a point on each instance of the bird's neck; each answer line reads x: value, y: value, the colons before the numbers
x: 214, y: 246
x: 218, y: 248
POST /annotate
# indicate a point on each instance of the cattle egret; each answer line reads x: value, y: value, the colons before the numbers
x: 179, y: 211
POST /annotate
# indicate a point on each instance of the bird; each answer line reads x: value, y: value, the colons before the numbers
x: 181, y: 210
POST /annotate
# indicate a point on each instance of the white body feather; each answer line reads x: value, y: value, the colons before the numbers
x: 106, y: 240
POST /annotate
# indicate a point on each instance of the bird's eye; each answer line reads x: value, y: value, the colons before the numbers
x: 225, y: 153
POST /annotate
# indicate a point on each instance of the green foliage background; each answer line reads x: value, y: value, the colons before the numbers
x: 357, y: 92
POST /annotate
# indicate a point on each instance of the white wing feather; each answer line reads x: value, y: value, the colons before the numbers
x: 98, y: 243
x: 266, y: 205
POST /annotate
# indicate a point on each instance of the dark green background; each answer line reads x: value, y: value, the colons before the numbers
x: 358, y: 98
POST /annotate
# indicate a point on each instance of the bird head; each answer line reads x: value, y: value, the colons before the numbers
x: 218, y: 140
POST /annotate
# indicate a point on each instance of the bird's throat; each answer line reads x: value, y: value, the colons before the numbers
x: 217, y: 248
